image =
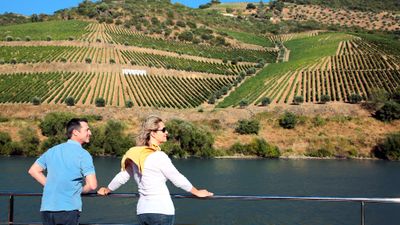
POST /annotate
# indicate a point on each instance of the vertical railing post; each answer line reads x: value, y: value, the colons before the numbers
x: 11, y: 210
x: 362, y: 213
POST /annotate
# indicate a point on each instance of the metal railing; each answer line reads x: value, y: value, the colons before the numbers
x: 362, y: 201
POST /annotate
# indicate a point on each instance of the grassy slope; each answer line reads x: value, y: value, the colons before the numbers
x: 58, y: 30
x: 249, y: 38
x: 304, y: 51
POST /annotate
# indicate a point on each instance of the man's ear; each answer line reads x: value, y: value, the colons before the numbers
x: 75, y: 132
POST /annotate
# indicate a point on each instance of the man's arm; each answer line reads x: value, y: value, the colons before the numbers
x: 36, y: 171
x: 91, y: 183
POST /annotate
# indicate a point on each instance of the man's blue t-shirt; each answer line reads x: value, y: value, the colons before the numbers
x: 67, y: 164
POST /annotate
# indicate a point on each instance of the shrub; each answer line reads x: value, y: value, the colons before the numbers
x: 112, y: 61
x: 48, y: 38
x: 258, y: 147
x: 9, y: 38
x: 100, y: 102
x: 115, y: 142
x: 13, y: 148
x: 13, y: 61
x: 28, y: 38
x: 88, y: 60
x: 263, y: 149
x: 53, y: 124
x: 298, y: 100
x: 70, y: 101
x: 184, y: 136
x: 243, y: 103
x: 5, y: 139
x: 389, y: 148
x: 355, y: 98
x: 318, y: 121
x: 389, y: 111
x: 288, y: 120
x: 70, y: 38
x: 36, y: 100
x: 251, y: 6
x: 212, y: 99
x: 180, y: 23
x: 185, y: 36
x: 129, y: 104
x: 247, y: 126
x: 251, y: 71
x: 325, y: 98
x: 29, y: 141
x: 265, y: 101
x: 64, y: 60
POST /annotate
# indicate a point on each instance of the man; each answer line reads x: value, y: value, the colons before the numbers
x: 66, y: 164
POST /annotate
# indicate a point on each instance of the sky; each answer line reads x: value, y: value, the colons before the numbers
x: 29, y: 7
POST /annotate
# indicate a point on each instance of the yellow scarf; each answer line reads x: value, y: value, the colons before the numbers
x: 138, y: 155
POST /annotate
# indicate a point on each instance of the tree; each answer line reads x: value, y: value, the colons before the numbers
x: 36, y: 100
x: 129, y: 104
x: 70, y: 101
x: 389, y: 148
x: 29, y: 141
x: 265, y: 101
x: 186, y: 139
x: 298, y: 100
x: 247, y: 126
x: 325, y: 98
x: 100, y: 102
x: 54, y: 123
x: 250, y: 6
x: 185, y: 36
x: 243, y: 103
x: 389, y: 111
x: 355, y: 98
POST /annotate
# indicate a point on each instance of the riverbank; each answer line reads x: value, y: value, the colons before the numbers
x: 345, y: 130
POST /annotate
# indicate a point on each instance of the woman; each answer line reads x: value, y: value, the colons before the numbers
x: 151, y: 168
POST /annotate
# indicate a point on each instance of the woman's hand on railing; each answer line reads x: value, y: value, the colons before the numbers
x: 201, y: 193
x: 103, y: 191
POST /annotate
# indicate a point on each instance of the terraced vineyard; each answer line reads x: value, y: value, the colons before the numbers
x: 53, y: 30
x: 358, y: 68
x: 309, y: 68
x: 146, y: 91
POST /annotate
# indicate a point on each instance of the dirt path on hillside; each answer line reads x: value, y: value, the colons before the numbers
x: 108, y: 46
x: 94, y: 67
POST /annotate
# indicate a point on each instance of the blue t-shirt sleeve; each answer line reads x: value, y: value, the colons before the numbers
x: 87, y: 166
x: 42, y: 161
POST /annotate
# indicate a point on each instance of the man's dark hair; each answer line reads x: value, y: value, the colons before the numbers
x: 74, y: 124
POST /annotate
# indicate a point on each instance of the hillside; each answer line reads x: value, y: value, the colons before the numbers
x: 361, y: 5
x: 122, y: 60
x: 163, y: 55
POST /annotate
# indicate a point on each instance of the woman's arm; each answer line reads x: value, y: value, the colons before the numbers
x: 179, y: 180
x: 119, y: 179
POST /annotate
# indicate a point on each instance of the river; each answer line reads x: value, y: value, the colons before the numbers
x: 333, y: 178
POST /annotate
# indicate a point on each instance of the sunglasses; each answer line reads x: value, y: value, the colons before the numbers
x: 163, y: 130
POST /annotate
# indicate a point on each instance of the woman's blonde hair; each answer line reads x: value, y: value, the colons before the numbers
x: 149, y: 124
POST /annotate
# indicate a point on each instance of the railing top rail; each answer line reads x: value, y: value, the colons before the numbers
x: 233, y: 197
